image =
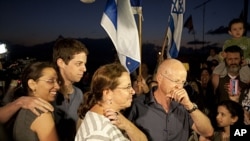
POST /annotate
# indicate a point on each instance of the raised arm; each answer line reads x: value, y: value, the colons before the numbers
x: 31, y: 103
x: 202, y: 124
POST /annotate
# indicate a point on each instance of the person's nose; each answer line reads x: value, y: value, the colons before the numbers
x: 179, y: 86
x: 132, y: 91
x: 234, y: 61
x: 83, y: 68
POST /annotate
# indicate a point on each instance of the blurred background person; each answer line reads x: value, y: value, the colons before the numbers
x: 145, y: 73
x: 213, y: 55
x: 236, y: 29
x: 228, y: 113
x: 140, y: 86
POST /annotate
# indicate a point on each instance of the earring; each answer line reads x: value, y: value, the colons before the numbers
x: 34, y: 91
x: 110, y: 101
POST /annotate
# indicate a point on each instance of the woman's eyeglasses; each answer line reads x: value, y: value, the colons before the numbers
x: 128, y: 88
x: 51, y: 81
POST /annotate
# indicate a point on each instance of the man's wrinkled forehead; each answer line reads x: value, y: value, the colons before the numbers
x: 233, y: 56
x: 175, y: 72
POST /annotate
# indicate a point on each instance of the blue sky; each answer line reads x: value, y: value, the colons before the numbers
x: 32, y: 22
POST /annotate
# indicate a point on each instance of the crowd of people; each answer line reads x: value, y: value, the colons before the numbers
x: 170, y: 104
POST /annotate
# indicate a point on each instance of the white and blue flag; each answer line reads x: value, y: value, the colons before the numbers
x: 136, y: 6
x: 175, y: 26
x: 119, y: 22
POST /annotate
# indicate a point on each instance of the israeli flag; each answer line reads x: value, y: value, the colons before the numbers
x: 136, y: 6
x: 119, y: 22
x: 175, y: 26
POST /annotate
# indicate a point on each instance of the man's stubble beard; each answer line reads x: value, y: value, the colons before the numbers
x: 233, y: 69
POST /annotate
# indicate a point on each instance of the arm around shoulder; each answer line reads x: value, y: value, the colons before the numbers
x: 26, y: 102
x: 7, y: 111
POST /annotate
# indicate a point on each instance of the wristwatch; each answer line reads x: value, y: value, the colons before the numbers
x: 195, y: 107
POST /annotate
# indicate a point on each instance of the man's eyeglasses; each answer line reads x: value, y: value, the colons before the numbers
x: 184, y: 83
x: 51, y: 81
x: 128, y: 88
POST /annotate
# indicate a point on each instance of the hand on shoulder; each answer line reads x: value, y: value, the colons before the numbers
x: 34, y: 103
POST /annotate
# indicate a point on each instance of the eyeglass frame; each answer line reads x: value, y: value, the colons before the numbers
x: 50, y: 81
x: 128, y: 88
x: 184, y: 83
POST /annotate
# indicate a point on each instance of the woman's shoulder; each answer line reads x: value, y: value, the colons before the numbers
x: 96, y: 122
x: 45, y: 116
x: 46, y: 119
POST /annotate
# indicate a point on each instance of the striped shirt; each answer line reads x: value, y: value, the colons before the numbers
x: 95, y: 127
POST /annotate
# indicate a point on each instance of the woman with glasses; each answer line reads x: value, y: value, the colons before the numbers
x: 40, y: 80
x: 110, y: 92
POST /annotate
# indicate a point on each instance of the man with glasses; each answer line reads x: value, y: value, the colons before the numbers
x: 166, y: 112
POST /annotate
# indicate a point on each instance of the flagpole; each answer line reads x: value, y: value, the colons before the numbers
x: 161, y: 56
x: 194, y: 40
x: 203, y: 20
x: 245, y: 14
x: 140, y: 42
x: 140, y: 38
x: 164, y: 46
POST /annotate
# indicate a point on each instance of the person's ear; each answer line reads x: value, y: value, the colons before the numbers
x: 32, y: 84
x: 159, y: 77
x: 107, y: 93
x: 229, y: 32
x: 107, y: 96
x: 234, y: 119
x: 60, y: 63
